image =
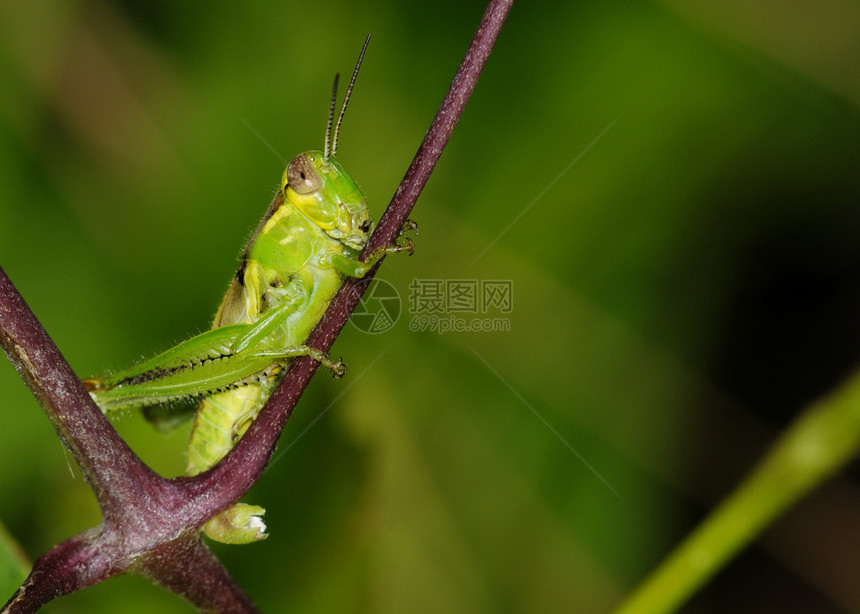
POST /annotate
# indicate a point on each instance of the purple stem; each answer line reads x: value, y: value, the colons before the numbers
x: 117, y: 476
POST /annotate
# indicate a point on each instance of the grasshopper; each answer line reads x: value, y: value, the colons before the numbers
x: 306, y: 245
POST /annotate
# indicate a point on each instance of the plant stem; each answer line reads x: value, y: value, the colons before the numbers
x: 823, y: 439
x: 95, y: 445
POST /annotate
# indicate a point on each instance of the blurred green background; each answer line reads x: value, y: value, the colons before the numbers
x: 681, y: 292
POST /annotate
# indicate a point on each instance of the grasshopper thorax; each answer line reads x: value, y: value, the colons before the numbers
x: 323, y: 191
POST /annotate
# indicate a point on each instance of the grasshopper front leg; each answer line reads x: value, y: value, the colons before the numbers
x: 356, y: 268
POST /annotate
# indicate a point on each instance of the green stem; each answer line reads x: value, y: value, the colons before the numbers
x: 824, y: 438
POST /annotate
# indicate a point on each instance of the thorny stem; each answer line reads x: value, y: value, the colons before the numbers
x: 151, y: 524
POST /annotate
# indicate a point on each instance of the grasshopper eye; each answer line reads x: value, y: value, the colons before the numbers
x: 301, y: 176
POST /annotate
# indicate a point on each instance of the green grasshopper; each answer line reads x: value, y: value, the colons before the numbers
x: 306, y: 245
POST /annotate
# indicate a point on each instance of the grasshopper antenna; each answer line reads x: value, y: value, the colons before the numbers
x: 331, y: 107
x: 345, y: 101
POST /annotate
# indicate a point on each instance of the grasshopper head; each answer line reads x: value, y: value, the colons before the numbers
x: 322, y: 190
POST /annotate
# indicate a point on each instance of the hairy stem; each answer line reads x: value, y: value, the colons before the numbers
x: 114, y: 472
